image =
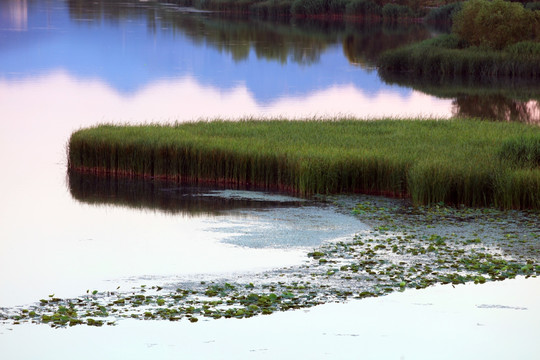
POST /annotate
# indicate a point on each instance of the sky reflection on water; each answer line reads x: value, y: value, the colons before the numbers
x: 130, y: 56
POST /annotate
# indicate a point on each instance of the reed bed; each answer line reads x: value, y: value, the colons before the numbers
x: 447, y: 57
x: 452, y: 161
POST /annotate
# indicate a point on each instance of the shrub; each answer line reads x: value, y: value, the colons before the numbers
x: 394, y: 11
x: 363, y: 8
x: 494, y: 24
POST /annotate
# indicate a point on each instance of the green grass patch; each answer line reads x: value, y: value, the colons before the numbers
x: 454, y: 161
x: 448, y: 57
x: 524, y: 150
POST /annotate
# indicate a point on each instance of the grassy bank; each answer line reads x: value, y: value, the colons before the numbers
x: 446, y: 57
x: 458, y: 162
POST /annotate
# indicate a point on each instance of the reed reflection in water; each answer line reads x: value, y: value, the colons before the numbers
x: 282, y: 39
x: 168, y: 197
x: 515, y: 100
x: 498, y: 108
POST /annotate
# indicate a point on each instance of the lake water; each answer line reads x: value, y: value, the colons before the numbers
x: 71, y: 64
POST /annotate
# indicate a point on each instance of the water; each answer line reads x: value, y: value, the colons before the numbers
x: 490, y: 321
x: 71, y: 64
x: 66, y: 65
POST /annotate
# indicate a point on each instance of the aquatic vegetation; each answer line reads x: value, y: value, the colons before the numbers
x: 444, y: 57
x: 524, y: 151
x: 407, y: 247
x: 455, y: 162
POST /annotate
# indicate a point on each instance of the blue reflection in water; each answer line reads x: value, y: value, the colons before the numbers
x: 133, y: 51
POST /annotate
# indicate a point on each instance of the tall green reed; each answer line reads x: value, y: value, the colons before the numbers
x: 453, y: 161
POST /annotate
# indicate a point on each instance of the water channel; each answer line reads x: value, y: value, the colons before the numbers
x: 67, y: 64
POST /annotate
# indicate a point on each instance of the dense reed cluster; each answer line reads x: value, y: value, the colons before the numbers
x: 446, y: 57
x: 456, y: 161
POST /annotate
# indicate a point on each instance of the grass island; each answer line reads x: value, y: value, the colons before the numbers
x: 460, y: 161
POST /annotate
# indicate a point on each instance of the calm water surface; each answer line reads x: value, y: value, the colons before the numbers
x: 71, y: 64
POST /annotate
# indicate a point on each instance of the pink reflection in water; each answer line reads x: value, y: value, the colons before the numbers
x: 61, y: 99
x: 15, y: 12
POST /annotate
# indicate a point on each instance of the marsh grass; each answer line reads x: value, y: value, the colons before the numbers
x: 524, y: 151
x: 448, y: 57
x: 455, y: 161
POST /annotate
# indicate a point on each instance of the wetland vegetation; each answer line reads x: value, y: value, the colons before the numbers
x: 489, y: 39
x: 456, y: 162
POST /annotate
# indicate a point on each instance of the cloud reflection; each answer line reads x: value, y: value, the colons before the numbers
x: 58, y: 98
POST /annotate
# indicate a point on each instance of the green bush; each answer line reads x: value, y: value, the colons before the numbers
x: 363, y: 8
x: 394, y: 11
x: 494, y: 24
